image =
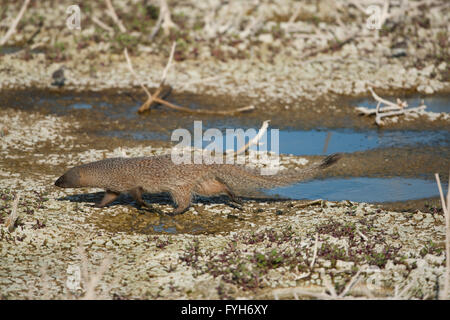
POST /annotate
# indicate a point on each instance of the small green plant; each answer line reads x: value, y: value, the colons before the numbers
x: 192, y: 253
x: 430, y: 248
x: 123, y: 40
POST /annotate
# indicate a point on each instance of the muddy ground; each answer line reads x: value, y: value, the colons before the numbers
x: 270, y: 247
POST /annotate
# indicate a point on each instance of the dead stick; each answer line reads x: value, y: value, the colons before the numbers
x: 396, y: 113
x: 102, y: 25
x: 255, y: 139
x: 167, y: 22
x: 114, y: 16
x: 310, y: 203
x: 387, y: 102
x: 150, y: 101
x: 203, y: 111
x: 13, y: 26
x: 316, y: 243
x: 130, y: 67
x: 447, y: 234
x: 157, y: 26
x: 169, y: 64
x: 12, y: 218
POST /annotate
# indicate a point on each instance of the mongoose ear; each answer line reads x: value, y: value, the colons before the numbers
x: 330, y: 160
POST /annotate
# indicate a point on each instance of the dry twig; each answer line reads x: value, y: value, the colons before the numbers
x: 445, y: 205
x: 12, y: 218
x: 316, y: 244
x: 167, y: 22
x: 102, y: 25
x: 390, y: 109
x: 256, y: 139
x: 310, y: 203
x: 90, y: 281
x: 112, y: 13
x: 332, y: 295
x: 13, y: 26
x: 164, y: 20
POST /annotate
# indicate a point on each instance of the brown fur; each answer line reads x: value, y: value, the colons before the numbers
x: 159, y: 174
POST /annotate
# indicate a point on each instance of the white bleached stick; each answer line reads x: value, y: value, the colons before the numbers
x: 13, y: 26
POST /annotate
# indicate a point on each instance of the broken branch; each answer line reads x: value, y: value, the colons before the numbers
x: 102, y: 25
x: 256, y: 139
x: 167, y: 22
x: 390, y: 109
x: 447, y: 235
x: 13, y: 26
x: 112, y: 13
x: 12, y: 218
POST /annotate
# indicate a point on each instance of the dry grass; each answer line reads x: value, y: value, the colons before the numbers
x: 12, y: 218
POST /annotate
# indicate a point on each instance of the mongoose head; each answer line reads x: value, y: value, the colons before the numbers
x: 71, y: 179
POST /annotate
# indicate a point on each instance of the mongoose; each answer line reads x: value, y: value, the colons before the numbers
x: 159, y: 174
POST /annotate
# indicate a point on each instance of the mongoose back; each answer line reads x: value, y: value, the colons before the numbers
x: 182, y: 181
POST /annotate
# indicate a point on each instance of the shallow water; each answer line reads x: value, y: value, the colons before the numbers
x: 361, y: 189
x: 316, y: 142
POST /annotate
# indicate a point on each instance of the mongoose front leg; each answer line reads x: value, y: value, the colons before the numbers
x: 230, y: 193
x: 234, y: 198
x: 109, y: 197
x: 182, y: 197
x: 137, y: 196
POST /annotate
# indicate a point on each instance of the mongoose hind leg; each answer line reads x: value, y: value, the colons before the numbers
x: 233, y: 197
x: 136, y: 193
x: 109, y: 197
x: 182, y: 197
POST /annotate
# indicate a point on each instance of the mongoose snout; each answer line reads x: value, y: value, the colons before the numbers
x: 182, y: 181
x: 71, y: 179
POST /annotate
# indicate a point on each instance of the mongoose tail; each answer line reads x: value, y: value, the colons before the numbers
x: 240, y: 179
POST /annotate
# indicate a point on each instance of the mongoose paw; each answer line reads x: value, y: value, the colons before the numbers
x: 237, y: 206
x: 149, y: 207
x: 238, y: 201
x: 177, y: 211
x: 153, y: 209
